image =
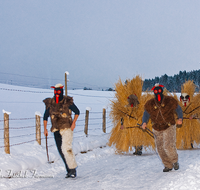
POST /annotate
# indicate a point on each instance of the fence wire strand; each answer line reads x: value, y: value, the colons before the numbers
x: 99, y: 124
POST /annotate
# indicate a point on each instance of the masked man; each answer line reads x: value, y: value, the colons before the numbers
x: 160, y: 110
x: 60, y: 108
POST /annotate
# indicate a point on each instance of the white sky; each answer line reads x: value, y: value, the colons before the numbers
x: 99, y: 41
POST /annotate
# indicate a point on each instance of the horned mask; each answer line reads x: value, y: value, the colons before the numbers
x: 158, y: 91
x: 58, y: 92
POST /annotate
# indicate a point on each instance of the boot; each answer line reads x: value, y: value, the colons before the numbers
x: 167, y: 169
x: 71, y: 173
x: 138, y: 150
x: 138, y: 153
x: 176, y: 166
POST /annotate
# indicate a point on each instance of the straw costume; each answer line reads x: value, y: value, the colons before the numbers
x: 126, y: 113
x: 189, y: 134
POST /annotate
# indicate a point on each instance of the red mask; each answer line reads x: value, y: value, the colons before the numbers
x: 58, y: 94
x: 158, y: 91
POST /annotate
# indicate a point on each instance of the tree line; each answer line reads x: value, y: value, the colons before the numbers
x: 174, y: 83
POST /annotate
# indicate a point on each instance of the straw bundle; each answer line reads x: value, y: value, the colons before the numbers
x: 190, y: 130
x: 131, y: 135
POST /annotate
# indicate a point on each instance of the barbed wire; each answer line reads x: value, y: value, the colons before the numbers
x: 18, y: 143
x: 19, y: 127
x: 27, y: 76
x: 44, y: 92
x: 17, y: 90
x: 91, y: 95
x: 78, y: 131
x: 107, y: 127
x: 98, y: 135
x: 80, y: 120
x: 94, y: 129
x: 33, y: 126
x: 21, y: 102
x: 20, y: 118
x: 23, y: 127
x: 42, y: 139
x: 95, y: 118
x: 78, y: 84
x: 41, y: 117
x: 79, y: 136
x: 18, y: 136
x: 95, y: 113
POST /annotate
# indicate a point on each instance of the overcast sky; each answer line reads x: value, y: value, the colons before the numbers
x: 98, y: 41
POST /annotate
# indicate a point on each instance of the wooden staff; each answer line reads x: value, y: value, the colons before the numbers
x: 138, y: 125
x: 47, y: 153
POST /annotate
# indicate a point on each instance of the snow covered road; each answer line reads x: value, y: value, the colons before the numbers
x: 99, y: 169
x: 102, y: 169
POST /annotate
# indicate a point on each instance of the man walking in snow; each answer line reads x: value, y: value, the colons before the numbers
x: 160, y: 110
x: 59, y: 108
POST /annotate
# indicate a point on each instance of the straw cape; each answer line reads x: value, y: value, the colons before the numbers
x: 190, y: 130
x: 125, y: 116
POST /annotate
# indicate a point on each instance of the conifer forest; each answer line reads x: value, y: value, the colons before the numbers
x: 173, y: 83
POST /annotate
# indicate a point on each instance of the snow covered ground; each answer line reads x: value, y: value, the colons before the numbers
x: 98, y: 169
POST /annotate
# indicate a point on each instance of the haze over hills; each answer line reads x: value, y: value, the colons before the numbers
x: 172, y: 83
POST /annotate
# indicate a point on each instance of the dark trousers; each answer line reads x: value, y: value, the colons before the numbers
x: 58, y: 140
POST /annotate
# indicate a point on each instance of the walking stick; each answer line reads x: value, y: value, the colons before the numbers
x: 47, y: 152
x: 138, y: 125
x: 148, y: 131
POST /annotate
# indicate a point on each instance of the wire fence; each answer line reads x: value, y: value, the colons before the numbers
x: 42, y: 82
x: 30, y: 132
x: 48, y: 92
x: 25, y: 131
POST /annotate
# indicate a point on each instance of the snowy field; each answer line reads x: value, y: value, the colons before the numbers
x: 98, y: 169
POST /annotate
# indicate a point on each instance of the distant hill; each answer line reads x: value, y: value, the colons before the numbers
x: 172, y: 83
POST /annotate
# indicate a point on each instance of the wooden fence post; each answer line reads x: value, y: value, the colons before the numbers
x: 38, y: 127
x: 66, y: 73
x: 6, y: 132
x: 104, y: 120
x: 86, y: 120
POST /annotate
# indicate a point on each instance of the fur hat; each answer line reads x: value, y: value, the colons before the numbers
x: 59, y: 85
